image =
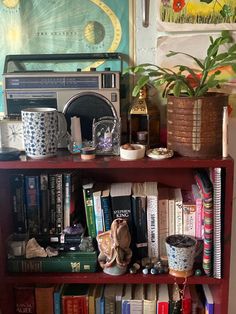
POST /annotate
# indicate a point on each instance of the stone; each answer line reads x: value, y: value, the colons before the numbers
x: 33, y: 249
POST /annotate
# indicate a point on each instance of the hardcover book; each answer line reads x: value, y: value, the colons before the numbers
x: 44, y: 201
x: 94, y: 292
x: 99, y: 300
x: 44, y: 299
x: 32, y: 193
x: 24, y: 300
x: 189, y: 213
x: 199, y: 227
x: 178, y: 211
x: 97, y: 206
x: 59, y: 203
x: 163, y: 219
x: 65, y: 262
x: 121, y: 201
x: 139, y: 219
x: 125, y: 303
x: 209, y: 301
x: 57, y: 298
x: 52, y: 202
x: 171, y: 211
x: 106, y: 207
x: 110, y: 299
x: 163, y: 299
x: 151, y: 193
x: 75, y: 299
x: 18, y: 203
x: 89, y: 210
x: 136, y: 304
x: 150, y: 300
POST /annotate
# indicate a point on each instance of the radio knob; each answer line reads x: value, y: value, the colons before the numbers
x: 108, y: 69
x: 93, y: 69
x: 78, y: 70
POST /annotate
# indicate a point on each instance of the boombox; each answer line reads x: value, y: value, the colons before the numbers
x: 56, y: 81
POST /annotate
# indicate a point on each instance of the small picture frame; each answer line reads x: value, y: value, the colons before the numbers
x: 106, y: 136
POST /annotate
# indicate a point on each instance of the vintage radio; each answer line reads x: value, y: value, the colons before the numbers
x: 57, y: 81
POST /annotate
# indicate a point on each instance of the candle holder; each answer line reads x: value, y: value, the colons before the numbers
x: 106, y: 136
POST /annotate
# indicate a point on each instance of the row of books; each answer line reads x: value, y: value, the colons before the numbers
x: 111, y: 299
x: 45, y: 203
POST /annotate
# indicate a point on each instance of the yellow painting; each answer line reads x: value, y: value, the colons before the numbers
x: 197, y: 12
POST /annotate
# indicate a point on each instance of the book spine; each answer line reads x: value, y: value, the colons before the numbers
x: 69, y: 265
x: 19, y: 208
x: 199, y: 219
x: 44, y: 299
x: 59, y: 203
x: 44, y: 197
x: 189, y: 219
x: 152, y: 226
x: 24, y: 300
x: 140, y: 225
x: 74, y: 304
x: 171, y: 216
x: 99, y: 220
x: 89, y: 211
x: 106, y: 207
x: 52, y: 203
x: 57, y: 298
x: 178, y: 217
x: 67, y: 198
x: 162, y: 308
x: 163, y: 226
x: 33, y: 204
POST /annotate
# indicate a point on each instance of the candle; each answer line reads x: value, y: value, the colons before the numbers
x: 225, y: 133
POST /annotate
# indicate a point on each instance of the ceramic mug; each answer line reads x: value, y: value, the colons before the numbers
x: 42, y: 128
x: 181, y: 252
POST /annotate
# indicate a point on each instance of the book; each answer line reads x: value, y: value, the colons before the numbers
x: 44, y: 203
x: 178, y: 211
x: 24, y: 300
x: 58, y: 290
x: 175, y: 304
x: 163, y: 299
x: 163, y: 196
x: 109, y: 299
x: 52, y: 202
x: 121, y: 201
x: 99, y: 300
x: 65, y: 262
x: 151, y: 193
x: 189, y: 213
x: 197, y: 305
x: 97, y: 207
x: 209, y: 301
x: 106, y: 207
x: 150, y: 300
x: 32, y: 195
x: 59, y: 203
x: 18, y: 203
x: 136, y: 303
x: 118, y: 298
x: 199, y: 226
x: 139, y: 220
x: 186, y: 301
x: 171, y: 211
x: 89, y: 211
x: 75, y: 299
x: 127, y: 296
x: 94, y: 292
x: 44, y: 299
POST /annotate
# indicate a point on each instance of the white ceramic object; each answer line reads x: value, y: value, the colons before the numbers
x: 132, y: 154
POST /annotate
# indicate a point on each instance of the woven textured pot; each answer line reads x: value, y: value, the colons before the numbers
x: 194, y: 125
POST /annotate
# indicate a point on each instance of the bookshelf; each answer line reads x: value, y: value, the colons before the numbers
x: 175, y: 172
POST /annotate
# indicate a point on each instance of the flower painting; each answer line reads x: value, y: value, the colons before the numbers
x: 196, y: 14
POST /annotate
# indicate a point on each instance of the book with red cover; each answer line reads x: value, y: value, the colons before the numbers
x: 24, y: 300
x: 44, y: 299
x: 187, y: 301
x: 75, y: 299
x: 163, y: 299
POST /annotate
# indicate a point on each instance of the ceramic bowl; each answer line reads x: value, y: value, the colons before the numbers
x: 132, y: 154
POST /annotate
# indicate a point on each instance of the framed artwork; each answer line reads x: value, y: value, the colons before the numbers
x: 62, y: 26
x: 194, y: 15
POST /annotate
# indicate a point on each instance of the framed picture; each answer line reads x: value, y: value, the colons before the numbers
x: 196, y: 15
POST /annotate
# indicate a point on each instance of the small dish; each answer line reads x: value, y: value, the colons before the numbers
x: 160, y: 153
x: 136, y: 152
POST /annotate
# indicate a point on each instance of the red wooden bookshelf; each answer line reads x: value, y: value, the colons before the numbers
x: 175, y: 172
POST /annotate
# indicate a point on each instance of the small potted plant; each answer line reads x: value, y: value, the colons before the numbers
x: 194, y: 113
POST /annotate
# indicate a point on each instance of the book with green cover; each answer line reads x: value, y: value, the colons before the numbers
x: 65, y: 262
x: 89, y: 210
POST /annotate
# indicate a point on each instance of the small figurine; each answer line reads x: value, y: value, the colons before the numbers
x: 113, y: 245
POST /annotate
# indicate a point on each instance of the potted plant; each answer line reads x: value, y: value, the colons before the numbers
x: 194, y: 113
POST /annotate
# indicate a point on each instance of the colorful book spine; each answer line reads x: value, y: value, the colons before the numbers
x: 189, y: 213
x: 89, y: 210
x: 44, y: 299
x: 18, y: 198
x: 98, y: 212
x: 106, y: 207
x: 171, y: 211
x: 178, y: 211
x: 163, y: 220
x: 32, y: 193
x: 199, y: 226
x: 24, y: 300
x: 57, y: 298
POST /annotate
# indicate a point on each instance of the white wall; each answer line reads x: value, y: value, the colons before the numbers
x: 146, y: 39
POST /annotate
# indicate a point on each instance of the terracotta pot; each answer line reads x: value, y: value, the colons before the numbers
x: 194, y: 124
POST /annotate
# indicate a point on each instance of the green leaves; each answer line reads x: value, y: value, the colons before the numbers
x: 183, y: 79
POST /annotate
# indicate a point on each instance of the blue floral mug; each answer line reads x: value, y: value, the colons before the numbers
x: 42, y: 128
